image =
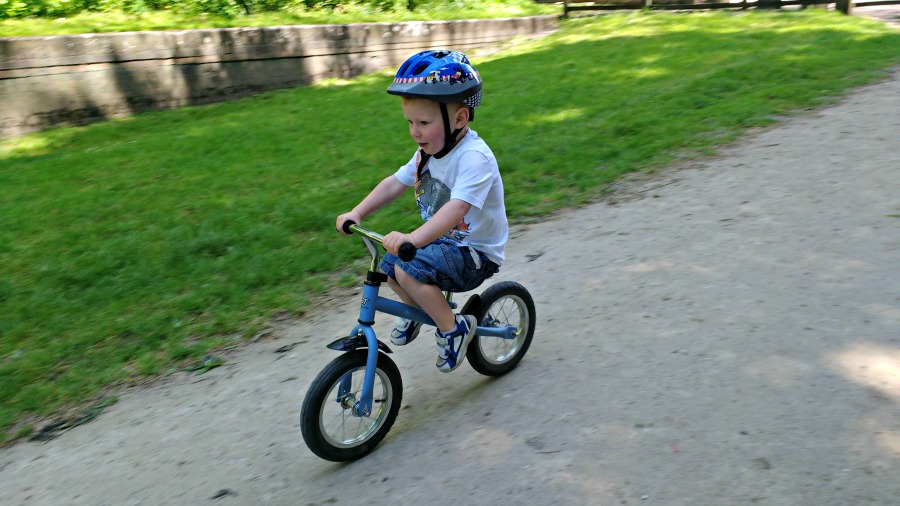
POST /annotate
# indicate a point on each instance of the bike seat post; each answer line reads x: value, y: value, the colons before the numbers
x: 449, y: 297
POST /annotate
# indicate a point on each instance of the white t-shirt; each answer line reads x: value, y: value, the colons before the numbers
x: 469, y: 173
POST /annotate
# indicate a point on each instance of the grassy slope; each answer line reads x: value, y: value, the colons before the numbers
x: 131, y: 247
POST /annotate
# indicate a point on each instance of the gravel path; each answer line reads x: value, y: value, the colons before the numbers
x: 726, y: 333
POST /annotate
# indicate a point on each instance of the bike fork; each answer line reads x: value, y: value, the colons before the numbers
x: 363, y: 405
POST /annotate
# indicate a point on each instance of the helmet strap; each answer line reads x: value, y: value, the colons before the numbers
x: 423, y: 159
x: 449, y: 137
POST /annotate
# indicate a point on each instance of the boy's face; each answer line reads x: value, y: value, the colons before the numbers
x: 426, y: 126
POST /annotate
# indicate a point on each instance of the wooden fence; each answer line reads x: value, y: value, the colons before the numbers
x: 66, y: 80
x: 844, y: 6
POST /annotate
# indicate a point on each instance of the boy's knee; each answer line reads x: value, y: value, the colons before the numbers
x: 403, y: 277
x: 392, y: 282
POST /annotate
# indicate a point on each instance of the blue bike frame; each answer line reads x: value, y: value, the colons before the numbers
x: 373, y: 303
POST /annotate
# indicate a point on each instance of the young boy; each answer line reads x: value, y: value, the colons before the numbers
x: 460, y: 197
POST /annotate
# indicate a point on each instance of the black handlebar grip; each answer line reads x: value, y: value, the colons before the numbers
x: 407, y: 251
x: 346, y: 226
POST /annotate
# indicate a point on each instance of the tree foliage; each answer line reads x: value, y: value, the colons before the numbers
x: 18, y: 9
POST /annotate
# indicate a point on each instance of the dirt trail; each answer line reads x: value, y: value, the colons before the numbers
x: 887, y: 14
x: 724, y: 334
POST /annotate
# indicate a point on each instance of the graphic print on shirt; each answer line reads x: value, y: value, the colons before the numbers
x: 431, y: 195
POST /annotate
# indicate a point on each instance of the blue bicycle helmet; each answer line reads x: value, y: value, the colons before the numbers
x: 444, y: 76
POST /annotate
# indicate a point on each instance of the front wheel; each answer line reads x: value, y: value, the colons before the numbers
x: 329, y: 426
x: 504, y: 304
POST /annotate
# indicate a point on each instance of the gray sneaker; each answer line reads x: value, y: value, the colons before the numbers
x: 405, y: 331
x: 451, y: 347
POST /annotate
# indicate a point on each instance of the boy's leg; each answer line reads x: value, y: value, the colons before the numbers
x: 405, y: 331
x: 442, y: 265
x: 429, y: 297
x: 454, y: 332
x: 401, y: 293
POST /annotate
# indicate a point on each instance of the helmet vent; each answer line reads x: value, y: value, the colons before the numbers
x: 474, y: 100
x: 421, y: 68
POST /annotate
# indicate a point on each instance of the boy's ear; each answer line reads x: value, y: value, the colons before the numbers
x: 462, y: 116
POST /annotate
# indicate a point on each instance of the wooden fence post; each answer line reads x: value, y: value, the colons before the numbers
x: 647, y: 4
x: 845, y: 6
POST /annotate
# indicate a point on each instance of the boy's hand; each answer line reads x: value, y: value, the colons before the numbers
x: 394, y: 240
x: 351, y: 216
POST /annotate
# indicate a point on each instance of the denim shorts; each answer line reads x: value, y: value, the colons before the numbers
x: 446, y: 264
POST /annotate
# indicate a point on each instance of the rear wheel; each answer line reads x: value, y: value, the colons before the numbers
x: 329, y: 426
x: 504, y: 304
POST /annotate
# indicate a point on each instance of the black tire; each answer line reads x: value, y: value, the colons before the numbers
x: 323, y: 415
x: 506, y: 303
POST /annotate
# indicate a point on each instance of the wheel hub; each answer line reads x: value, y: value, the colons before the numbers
x: 348, y: 401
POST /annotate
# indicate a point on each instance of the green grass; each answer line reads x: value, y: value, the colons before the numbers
x: 91, y: 22
x: 134, y: 247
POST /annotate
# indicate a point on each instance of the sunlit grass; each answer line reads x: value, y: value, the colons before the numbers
x: 131, y: 247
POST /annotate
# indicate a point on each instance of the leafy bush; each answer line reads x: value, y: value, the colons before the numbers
x: 23, y: 18
x: 18, y: 9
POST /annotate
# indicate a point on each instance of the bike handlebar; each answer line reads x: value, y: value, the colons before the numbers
x: 407, y: 250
